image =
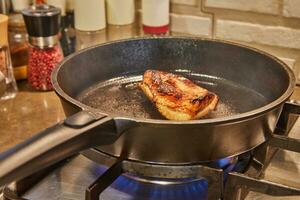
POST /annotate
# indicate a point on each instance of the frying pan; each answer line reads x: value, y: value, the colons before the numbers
x: 106, y: 110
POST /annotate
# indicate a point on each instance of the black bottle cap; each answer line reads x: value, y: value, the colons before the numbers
x: 42, y: 20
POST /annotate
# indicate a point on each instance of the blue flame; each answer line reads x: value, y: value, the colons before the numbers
x: 222, y: 163
x: 148, y: 191
x: 190, y: 190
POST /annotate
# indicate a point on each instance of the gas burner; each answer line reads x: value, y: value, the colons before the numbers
x: 172, y: 183
x: 114, y: 183
x: 167, y: 182
x: 148, y: 188
x: 169, y: 171
x: 199, y: 184
x: 183, y: 189
x: 228, y: 178
x: 212, y: 175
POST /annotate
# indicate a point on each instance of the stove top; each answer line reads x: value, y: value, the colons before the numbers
x: 266, y: 169
x: 71, y: 178
x: 71, y: 181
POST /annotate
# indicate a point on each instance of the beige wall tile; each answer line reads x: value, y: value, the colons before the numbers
x: 261, y: 6
x: 291, y: 8
x: 249, y: 32
x: 189, y: 24
x: 186, y: 2
x: 289, y: 61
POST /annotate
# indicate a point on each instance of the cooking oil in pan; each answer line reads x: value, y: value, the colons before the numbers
x: 123, y: 97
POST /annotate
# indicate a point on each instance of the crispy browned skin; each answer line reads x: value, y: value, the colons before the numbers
x: 176, y: 97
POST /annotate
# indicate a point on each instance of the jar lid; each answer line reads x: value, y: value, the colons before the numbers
x: 42, y: 20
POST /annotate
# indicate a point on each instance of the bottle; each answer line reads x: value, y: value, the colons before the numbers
x: 39, y: 1
x: 70, y: 13
x: 120, y: 12
x: 42, y: 24
x: 70, y: 5
x: 66, y: 38
x: 59, y: 4
x: 68, y: 33
x: 18, y: 44
x: 10, y: 86
x: 19, y: 5
x: 122, y: 32
x: 85, y: 39
x: 155, y: 16
x: 89, y: 16
x: 5, y: 7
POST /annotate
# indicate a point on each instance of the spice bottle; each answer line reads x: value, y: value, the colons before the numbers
x: 70, y: 5
x: 19, y: 5
x: 89, y: 16
x: 70, y: 13
x: 5, y: 7
x: 67, y: 31
x: 120, y: 12
x: 155, y: 16
x: 39, y: 1
x: 59, y: 4
x: 5, y: 62
x: 42, y: 23
x: 17, y: 37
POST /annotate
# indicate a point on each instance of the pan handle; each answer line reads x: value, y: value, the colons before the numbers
x: 78, y: 132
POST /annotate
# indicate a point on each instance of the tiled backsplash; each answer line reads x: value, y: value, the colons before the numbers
x: 271, y: 25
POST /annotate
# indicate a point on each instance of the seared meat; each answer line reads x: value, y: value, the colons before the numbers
x: 176, y: 97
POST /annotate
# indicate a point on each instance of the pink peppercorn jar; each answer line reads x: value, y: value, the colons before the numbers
x: 42, y: 24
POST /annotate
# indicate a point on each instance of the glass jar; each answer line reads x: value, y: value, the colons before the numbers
x: 41, y: 63
x: 8, y: 83
x: 18, y: 43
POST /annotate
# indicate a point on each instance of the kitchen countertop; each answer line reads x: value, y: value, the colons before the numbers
x: 32, y: 111
x: 28, y: 113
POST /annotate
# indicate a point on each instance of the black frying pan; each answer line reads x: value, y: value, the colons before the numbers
x: 97, y: 87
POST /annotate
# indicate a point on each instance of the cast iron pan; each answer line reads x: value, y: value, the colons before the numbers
x: 106, y: 110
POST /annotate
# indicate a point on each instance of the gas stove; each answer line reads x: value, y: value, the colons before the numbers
x: 96, y: 175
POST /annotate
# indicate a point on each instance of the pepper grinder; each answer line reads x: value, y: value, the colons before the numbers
x: 42, y: 24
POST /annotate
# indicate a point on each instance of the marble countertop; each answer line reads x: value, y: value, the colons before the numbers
x: 27, y: 114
